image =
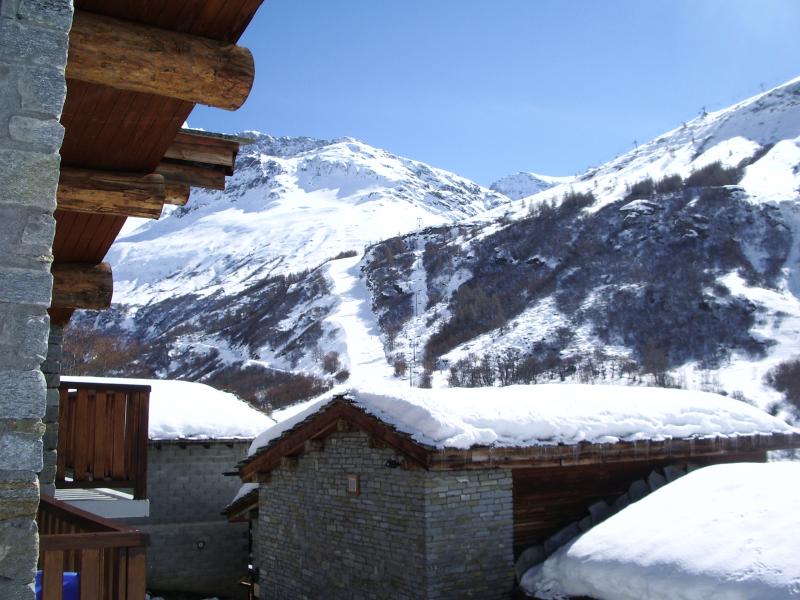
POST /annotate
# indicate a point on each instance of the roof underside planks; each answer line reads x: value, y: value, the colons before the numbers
x: 128, y: 131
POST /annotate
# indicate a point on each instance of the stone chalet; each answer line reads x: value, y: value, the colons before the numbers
x: 425, y: 494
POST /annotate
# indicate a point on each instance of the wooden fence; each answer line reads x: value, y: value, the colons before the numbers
x: 109, y: 558
x: 102, y: 436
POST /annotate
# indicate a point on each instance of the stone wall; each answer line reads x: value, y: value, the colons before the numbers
x: 408, y: 534
x: 469, y: 534
x: 33, y: 54
x: 51, y: 368
x: 316, y: 541
x: 192, y: 546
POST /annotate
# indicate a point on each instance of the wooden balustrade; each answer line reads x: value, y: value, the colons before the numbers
x: 102, y: 436
x: 109, y: 558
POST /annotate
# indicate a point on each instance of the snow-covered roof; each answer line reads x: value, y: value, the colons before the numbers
x: 192, y: 411
x: 732, y: 532
x: 519, y: 416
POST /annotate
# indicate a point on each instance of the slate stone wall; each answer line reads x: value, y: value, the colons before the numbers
x: 33, y: 54
x: 469, y: 534
x: 192, y: 546
x: 51, y: 368
x: 408, y: 534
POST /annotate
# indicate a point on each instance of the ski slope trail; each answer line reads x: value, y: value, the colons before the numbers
x: 361, y: 349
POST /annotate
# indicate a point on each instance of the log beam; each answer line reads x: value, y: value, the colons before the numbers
x: 110, y: 193
x: 193, y: 148
x: 193, y: 175
x: 140, y: 58
x: 80, y: 285
x: 176, y: 193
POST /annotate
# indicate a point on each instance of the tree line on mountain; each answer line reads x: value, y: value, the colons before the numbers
x: 785, y: 378
x: 650, y: 277
x: 512, y: 367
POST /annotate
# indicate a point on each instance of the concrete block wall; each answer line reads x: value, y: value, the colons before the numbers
x: 409, y: 534
x: 33, y: 54
x: 192, y: 546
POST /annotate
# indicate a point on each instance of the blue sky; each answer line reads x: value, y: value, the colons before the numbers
x: 490, y: 87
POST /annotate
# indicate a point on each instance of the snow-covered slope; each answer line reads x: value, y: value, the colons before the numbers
x: 728, y: 135
x: 699, y: 280
x: 292, y: 204
x: 524, y: 184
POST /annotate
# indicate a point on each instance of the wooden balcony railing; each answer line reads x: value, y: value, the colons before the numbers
x: 109, y: 558
x: 102, y: 436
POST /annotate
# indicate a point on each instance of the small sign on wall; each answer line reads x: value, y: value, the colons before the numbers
x: 353, y: 485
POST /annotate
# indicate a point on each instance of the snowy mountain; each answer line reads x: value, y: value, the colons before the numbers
x: 524, y: 184
x: 674, y: 264
x: 292, y: 204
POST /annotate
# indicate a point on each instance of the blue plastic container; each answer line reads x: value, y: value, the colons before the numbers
x: 71, y: 586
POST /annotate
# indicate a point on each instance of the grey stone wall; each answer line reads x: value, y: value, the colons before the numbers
x: 409, y: 534
x: 51, y: 368
x: 315, y: 541
x: 33, y: 53
x: 192, y: 546
x: 469, y: 534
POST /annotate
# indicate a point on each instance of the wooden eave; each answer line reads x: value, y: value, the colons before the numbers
x: 239, y: 511
x: 585, y: 453
x: 321, y: 424
x: 124, y: 131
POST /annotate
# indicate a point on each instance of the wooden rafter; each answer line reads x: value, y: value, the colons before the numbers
x: 140, y: 58
x: 110, y: 193
x: 194, y: 175
x: 587, y: 453
x: 199, y: 148
x: 80, y: 285
x: 176, y: 193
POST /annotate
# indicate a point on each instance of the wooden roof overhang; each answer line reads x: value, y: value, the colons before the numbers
x: 240, y: 511
x: 341, y: 412
x: 135, y: 71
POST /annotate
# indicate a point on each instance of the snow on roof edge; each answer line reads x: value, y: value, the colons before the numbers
x: 557, y: 414
x: 187, y: 411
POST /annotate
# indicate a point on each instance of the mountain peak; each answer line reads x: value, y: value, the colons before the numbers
x: 524, y: 183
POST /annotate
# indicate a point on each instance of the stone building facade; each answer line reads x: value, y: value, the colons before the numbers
x: 33, y: 55
x: 192, y: 546
x: 405, y: 533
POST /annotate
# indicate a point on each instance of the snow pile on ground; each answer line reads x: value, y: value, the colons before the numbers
x: 186, y: 410
x: 548, y: 414
x: 732, y: 533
